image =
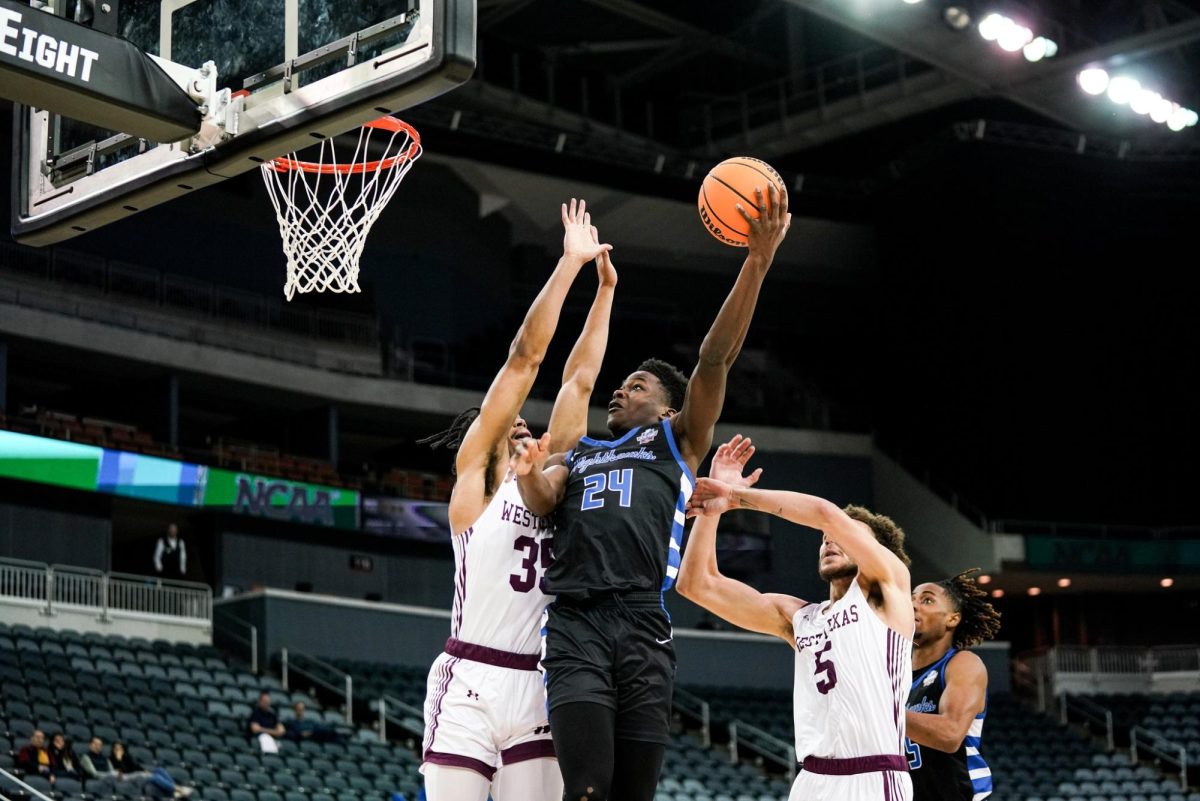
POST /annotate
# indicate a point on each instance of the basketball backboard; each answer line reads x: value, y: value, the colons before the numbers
x: 271, y: 76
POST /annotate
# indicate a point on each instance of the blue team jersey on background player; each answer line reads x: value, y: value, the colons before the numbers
x: 619, y: 527
x: 937, y: 775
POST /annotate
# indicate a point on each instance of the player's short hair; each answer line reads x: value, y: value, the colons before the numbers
x: 673, y: 380
x: 886, y: 532
x: 452, y: 437
x: 980, y: 620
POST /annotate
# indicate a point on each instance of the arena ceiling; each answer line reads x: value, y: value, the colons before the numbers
x: 669, y: 87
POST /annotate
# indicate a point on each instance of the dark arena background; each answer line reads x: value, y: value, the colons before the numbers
x: 983, y: 323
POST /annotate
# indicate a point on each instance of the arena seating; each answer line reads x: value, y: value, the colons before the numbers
x: 1032, y: 757
x: 691, y: 771
x: 183, y: 708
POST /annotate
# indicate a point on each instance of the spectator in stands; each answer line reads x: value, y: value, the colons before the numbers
x: 63, y: 763
x: 94, y: 764
x: 264, y: 725
x: 301, y: 728
x: 33, y: 758
x: 170, y: 555
x: 123, y: 762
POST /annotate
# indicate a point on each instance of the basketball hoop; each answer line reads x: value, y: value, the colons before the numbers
x: 326, y: 207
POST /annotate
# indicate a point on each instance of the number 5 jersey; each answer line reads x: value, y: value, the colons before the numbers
x: 852, y: 676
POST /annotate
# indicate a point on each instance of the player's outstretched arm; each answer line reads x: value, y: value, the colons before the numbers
x: 700, y: 578
x: 963, y: 699
x: 876, y: 564
x: 479, y: 462
x: 568, y: 421
x: 706, y: 389
x: 542, y: 488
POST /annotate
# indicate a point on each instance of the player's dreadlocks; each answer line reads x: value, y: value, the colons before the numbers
x: 980, y: 620
x: 452, y: 437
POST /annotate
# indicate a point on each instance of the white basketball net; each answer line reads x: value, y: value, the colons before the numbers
x: 326, y: 208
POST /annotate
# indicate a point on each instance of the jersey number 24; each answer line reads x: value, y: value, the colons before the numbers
x: 618, y: 481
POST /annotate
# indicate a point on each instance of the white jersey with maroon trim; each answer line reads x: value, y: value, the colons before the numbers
x: 852, y: 678
x: 499, y: 564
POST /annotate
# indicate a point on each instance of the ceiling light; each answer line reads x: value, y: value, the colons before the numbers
x: 1143, y: 101
x: 991, y: 26
x: 1121, y: 90
x: 1093, y: 81
x: 1064, y: 582
x: 1014, y: 37
x: 1034, y: 590
x: 958, y: 18
x: 1040, y: 48
x: 1167, y: 582
x: 1162, y: 110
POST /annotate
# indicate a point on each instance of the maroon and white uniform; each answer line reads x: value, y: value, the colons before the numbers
x: 852, y: 682
x: 485, y: 704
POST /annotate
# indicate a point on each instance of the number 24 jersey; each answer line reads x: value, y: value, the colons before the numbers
x: 619, y: 527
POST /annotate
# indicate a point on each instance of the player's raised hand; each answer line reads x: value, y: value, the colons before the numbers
x: 711, y: 497
x: 604, y: 266
x: 529, y: 455
x: 577, y: 233
x: 767, y: 232
x: 730, y: 460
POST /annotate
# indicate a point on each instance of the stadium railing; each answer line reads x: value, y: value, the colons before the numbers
x: 1160, y: 749
x: 766, y: 745
x: 321, y: 674
x: 58, y: 586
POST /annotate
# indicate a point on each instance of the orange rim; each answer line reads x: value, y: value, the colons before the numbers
x: 284, y: 164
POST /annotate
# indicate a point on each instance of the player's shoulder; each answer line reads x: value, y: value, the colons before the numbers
x: 965, y: 664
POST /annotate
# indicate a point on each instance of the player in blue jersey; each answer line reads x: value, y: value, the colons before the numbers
x: 618, y: 508
x: 948, y: 700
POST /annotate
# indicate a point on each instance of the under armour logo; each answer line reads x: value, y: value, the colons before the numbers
x: 542, y: 730
x: 473, y: 694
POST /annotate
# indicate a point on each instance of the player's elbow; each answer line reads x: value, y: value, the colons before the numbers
x: 693, y: 583
x: 827, y: 513
x: 715, y: 354
x: 524, y: 354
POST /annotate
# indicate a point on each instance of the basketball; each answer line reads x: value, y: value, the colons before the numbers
x: 729, y: 183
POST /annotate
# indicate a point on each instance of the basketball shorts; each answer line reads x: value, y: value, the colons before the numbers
x: 616, y: 652
x: 881, y: 785
x: 482, y: 715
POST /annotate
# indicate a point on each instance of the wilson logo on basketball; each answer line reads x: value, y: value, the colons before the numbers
x: 715, y: 229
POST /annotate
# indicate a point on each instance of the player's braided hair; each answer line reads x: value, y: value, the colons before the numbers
x: 452, y: 437
x: 980, y: 620
x: 673, y: 380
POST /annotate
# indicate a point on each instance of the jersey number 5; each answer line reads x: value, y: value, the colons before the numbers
x: 825, y: 666
x: 618, y: 481
x: 530, y: 564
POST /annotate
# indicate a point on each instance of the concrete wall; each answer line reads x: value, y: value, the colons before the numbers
x: 55, y: 537
x: 413, y: 636
x: 943, y: 542
x: 251, y: 561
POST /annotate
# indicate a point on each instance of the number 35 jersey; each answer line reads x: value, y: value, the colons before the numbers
x: 619, y: 527
x: 852, y: 679
x: 499, y: 564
